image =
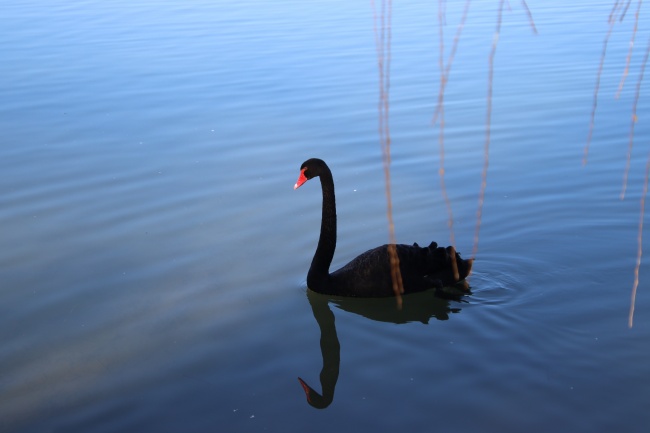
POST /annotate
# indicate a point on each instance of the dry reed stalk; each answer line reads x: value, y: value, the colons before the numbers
x: 614, y: 9
x: 627, y: 5
x: 488, y: 130
x: 441, y: 121
x: 441, y: 133
x: 450, y: 60
x: 592, y: 120
x: 633, y: 122
x: 629, y: 52
x: 630, y: 319
x: 612, y: 20
x: 383, y: 43
x: 643, y: 195
x: 440, y: 112
x: 530, y: 16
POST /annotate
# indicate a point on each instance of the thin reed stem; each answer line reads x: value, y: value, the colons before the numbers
x: 627, y: 5
x: 629, y: 52
x: 613, y: 12
x: 450, y: 60
x: 630, y: 319
x: 488, y: 130
x: 383, y: 36
x: 530, y: 16
x: 634, y: 120
x: 592, y: 120
x: 441, y: 121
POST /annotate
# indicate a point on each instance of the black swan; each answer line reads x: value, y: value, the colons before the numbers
x: 368, y: 275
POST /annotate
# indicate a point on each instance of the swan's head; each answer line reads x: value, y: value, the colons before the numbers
x: 309, y: 169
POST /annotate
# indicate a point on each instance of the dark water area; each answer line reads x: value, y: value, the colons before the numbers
x: 154, y: 252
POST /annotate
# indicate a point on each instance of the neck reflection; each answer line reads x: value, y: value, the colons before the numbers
x: 417, y: 307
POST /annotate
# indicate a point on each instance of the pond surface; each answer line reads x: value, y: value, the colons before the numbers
x: 154, y: 252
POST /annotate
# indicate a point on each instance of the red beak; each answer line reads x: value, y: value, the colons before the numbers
x: 301, y: 179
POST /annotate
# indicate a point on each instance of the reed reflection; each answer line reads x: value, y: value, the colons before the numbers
x: 417, y: 307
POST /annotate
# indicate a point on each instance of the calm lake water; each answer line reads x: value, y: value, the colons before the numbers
x: 154, y: 252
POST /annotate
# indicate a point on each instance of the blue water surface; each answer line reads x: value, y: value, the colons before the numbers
x: 154, y: 252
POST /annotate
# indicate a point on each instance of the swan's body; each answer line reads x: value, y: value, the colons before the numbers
x: 369, y: 274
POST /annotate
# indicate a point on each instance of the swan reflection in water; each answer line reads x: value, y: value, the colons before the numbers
x: 417, y: 307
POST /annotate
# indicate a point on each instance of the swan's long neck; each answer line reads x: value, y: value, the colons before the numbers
x: 320, y: 264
